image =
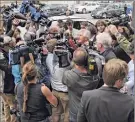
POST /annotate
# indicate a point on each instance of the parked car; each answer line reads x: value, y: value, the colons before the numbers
x: 88, y: 7
x: 76, y: 20
x: 101, y: 7
x: 108, y: 12
x: 56, y: 10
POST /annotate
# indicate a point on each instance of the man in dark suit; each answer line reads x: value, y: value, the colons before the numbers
x: 107, y: 104
x: 104, y: 46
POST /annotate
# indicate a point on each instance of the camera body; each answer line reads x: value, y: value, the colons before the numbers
x: 95, y: 62
x: 17, y: 53
x: 16, y: 113
x: 62, y: 54
x: 122, y: 20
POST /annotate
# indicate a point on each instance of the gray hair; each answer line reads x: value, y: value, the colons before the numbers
x: 85, y: 33
x: 104, y: 39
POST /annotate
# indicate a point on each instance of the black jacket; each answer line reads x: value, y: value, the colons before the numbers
x: 78, y: 82
x: 10, y: 33
x: 108, y: 54
x: 106, y: 105
x: 9, y: 84
x: 120, y: 53
x: 36, y: 104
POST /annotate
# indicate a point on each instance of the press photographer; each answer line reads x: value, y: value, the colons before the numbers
x: 18, y: 56
x: 80, y: 79
x: 59, y: 90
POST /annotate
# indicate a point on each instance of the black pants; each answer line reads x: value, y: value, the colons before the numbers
x: 45, y: 120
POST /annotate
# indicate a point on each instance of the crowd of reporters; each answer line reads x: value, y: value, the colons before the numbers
x: 63, y: 69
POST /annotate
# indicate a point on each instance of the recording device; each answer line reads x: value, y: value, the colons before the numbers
x: 44, y: 21
x: 63, y: 56
x: 19, y: 51
x: 95, y: 62
x: 35, y: 42
x: 16, y: 113
x: 122, y: 20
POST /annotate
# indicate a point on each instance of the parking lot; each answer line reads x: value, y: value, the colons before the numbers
x: 87, y: 16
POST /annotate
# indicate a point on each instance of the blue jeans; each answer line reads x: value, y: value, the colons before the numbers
x: 16, y: 72
x: 72, y: 117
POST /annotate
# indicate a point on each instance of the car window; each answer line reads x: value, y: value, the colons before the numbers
x: 77, y: 25
x: 117, y: 6
x: 89, y: 4
x: 93, y: 4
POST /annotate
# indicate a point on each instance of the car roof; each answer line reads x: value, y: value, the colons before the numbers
x: 55, y: 18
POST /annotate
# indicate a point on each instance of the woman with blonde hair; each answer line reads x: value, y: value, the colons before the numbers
x: 33, y: 98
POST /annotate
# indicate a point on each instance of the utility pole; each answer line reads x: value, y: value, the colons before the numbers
x: 133, y: 16
x: 1, y: 20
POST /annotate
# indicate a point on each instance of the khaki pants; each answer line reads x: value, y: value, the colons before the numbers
x: 62, y: 108
x: 8, y: 104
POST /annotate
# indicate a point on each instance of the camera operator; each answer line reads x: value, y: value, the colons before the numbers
x: 104, y: 46
x: 59, y: 89
x: 26, y: 57
x: 78, y: 80
x: 119, y: 52
x: 14, y: 60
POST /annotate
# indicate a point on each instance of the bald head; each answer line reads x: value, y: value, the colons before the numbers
x: 80, y: 57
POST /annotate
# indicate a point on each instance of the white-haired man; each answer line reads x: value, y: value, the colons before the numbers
x: 103, y: 44
x: 83, y: 37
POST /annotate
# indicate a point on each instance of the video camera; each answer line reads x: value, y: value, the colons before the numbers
x: 122, y: 20
x: 95, y: 62
x: 63, y: 55
x: 15, y: 54
x: 35, y: 42
x: 16, y: 113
